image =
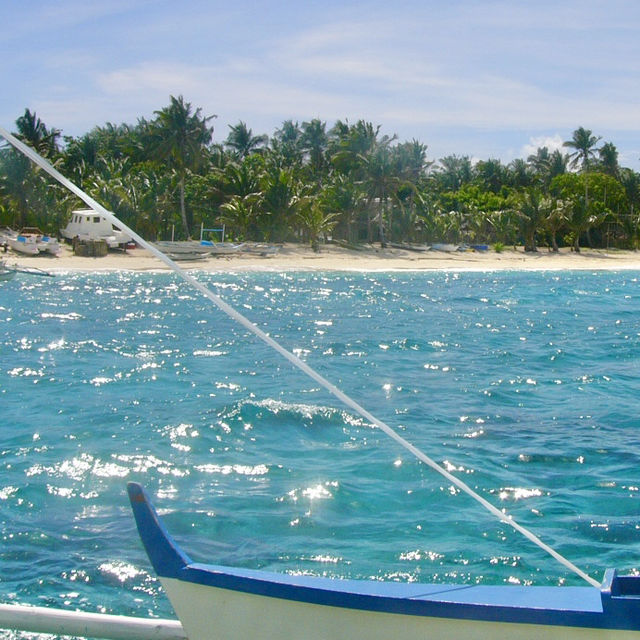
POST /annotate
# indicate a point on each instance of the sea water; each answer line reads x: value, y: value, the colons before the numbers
x: 524, y: 385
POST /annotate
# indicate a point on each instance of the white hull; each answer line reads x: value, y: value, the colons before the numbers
x: 220, y: 614
x: 50, y: 245
x: 23, y: 246
x: 226, y: 603
x: 31, y: 241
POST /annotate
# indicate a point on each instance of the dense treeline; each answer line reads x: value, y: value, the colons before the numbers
x: 308, y: 182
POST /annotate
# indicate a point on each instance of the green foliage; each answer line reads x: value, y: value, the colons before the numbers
x: 308, y: 180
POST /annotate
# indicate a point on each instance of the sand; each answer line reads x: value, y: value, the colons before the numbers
x: 334, y: 258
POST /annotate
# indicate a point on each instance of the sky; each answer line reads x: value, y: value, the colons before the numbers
x: 486, y: 79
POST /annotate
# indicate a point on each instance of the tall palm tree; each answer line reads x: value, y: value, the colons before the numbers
x: 519, y: 173
x: 630, y: 222
x: 180, y: 136
x: 314, y: 142
x: 557, y: 215
x: 584, y: 143
x: 343, y: 196
x: 532, y: 209
x: 380, y: 179
x: 287, y: 143
x: 242, y: 141
x: 609, y: 159
x: 454, y: 171
x: 33, y: 131
x: 557, y: 164
x: 491, y: 174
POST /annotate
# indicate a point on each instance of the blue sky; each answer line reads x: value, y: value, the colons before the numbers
x: 481, y: 78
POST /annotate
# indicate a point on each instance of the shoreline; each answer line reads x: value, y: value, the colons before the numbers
x: 294, y: 257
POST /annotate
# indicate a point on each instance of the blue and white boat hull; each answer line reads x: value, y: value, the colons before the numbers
x: 229, y: 603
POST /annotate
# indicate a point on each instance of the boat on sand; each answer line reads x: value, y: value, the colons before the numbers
x: 31, y: 241
x: 225, y: 603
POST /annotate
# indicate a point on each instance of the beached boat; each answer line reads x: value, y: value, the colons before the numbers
x: 21, y: 244
x: 446, y: 248
x: 221, y: 248
x: 407, y: 246
x: 87, y: 224
x: 207, y: 247
x: 43, y: 242
x: 220, y: 602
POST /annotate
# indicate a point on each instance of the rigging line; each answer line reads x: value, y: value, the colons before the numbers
x: 293, y: 359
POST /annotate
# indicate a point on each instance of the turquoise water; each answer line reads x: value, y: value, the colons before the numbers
x: 523, y: 384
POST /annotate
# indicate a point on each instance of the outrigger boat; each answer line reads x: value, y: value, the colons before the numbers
x: 224, y: 603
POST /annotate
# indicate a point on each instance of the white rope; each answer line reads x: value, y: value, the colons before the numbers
x: 297, y: 362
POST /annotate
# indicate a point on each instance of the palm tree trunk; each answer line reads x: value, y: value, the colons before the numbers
x: 383, y: 242
x: 183, y: 210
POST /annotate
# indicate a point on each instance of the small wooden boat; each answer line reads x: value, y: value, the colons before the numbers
x: 406, y: 246
x: 22, y: 244
x: 224, y: 603
x: 31, y: 241
x: 447, y: 248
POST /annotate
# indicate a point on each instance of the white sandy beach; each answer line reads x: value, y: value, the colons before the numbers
x: 334, y: 258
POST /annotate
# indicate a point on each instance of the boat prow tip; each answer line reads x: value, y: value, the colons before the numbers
x: 136, y: 492
x: 166, y: 556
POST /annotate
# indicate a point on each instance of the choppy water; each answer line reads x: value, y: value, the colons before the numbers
x: 524, y: 384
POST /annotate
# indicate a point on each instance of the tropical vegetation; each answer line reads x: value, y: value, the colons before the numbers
x: 309, y: 182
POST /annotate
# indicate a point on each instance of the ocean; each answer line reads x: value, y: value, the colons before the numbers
x: 525, y: 385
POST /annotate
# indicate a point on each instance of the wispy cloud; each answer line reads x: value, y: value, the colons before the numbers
x: 422, y: 69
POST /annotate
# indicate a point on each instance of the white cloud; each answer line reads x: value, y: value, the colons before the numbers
x: 427, y: 69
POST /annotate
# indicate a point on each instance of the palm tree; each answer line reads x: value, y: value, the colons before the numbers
x: 242, y: 141
x: 314, y: 221
x: 314, y: 142
x: 240, y: 212
x: 519, y: 173
x: 453, y: 172
x: 343, y: 196
x: 180, y: 137
x: 491, y: 174
x: 350, y: 144
x: 557, y: 164
x: 584, y: 143
x: 35, y: 133
x: 609, y: 159
x: 280, y: 201
x: 630, y: 222
x: 540, y: 160
x: 287, y: 143
x: 380, y: 180
x: 532, y: 208
x: 557, y: 216
x: 16, y: 183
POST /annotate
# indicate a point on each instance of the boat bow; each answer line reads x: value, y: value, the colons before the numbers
x: 249, y: 602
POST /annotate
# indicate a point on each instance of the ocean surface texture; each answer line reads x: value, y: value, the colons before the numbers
x: 526, y: 385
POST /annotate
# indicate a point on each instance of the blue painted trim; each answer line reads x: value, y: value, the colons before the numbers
x: 615, y: 606
x: 165, y: 555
